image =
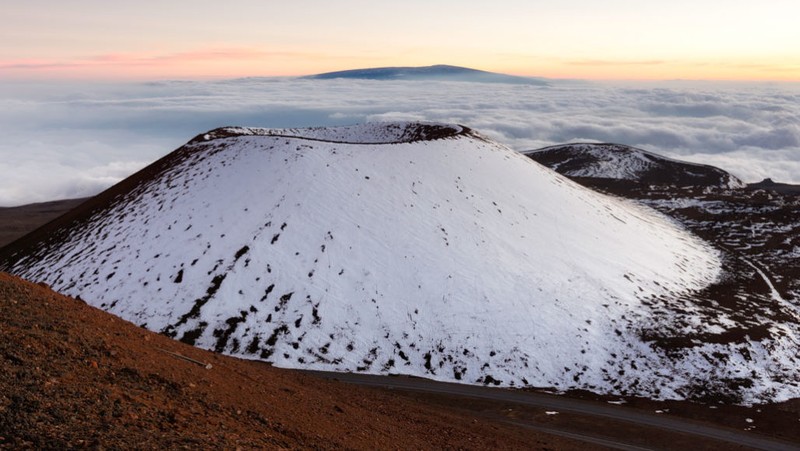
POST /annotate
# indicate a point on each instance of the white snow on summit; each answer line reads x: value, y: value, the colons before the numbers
x: 431, y: 251
x: 621, y: 162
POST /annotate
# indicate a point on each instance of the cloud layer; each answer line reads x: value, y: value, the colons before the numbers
x: 70, y: 140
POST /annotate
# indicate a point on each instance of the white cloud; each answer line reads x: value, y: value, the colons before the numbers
x: 754, y: 164
x: 73, y: 140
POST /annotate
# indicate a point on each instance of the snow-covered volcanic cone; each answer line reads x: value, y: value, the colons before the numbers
x: 621, y: 162
x: 384, y: 248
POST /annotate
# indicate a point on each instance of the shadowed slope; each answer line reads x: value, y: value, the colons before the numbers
x: 16, y: 222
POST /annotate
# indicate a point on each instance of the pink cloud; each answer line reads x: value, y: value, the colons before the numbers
x: 117, y: 60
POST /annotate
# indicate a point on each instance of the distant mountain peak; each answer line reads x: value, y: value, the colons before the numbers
x: 438, y: 72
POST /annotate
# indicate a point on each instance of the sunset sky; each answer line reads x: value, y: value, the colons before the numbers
x: 91, y: 91
x: 202, y: 39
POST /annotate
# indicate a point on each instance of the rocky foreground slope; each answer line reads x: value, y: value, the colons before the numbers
x: 74, y: 377
x: 412, y: 248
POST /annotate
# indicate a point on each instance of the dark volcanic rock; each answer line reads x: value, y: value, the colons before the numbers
x: 629, y: 164
x: 770, y: 185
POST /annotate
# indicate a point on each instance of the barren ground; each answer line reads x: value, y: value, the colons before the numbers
x: 72, y: 376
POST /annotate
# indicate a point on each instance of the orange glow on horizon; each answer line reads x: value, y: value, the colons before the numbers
x: 221, y: 63
x: 578, y: 39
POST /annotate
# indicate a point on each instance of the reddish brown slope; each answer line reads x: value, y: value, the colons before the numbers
x: 74, y: 376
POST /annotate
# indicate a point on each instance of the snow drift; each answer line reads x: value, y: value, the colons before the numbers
x: 420, y: 249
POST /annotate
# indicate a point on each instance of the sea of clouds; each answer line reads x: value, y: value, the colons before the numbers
x: 66, y: 140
